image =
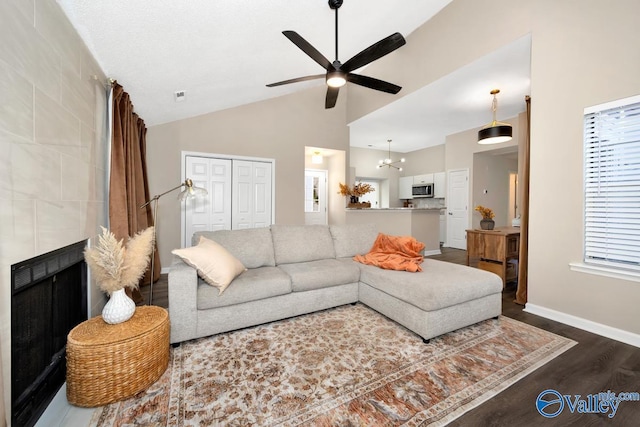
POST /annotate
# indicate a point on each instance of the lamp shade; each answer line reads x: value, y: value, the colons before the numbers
x: 191, y: 191
x: 495, y: 134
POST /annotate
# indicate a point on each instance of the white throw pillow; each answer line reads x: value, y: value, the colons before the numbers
x: 213, y: 262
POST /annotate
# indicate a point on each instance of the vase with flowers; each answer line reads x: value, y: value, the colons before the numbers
x: 355, y: 192
x: 487, y: 222
x: 117, y: 267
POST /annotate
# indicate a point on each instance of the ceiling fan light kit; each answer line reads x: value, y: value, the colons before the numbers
x: 495, y: 132
x: 337, y: 73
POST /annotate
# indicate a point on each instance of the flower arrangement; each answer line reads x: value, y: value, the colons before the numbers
x: 115, y: 266
x: 359, y: 189
x: 486, y: 213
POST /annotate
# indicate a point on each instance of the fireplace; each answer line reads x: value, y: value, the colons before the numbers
x: 48, y: 298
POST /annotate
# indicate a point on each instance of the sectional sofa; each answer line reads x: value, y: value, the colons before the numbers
x: 293, y: 270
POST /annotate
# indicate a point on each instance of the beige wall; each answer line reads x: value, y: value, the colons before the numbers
x: 427, y: 160
x: 592, y: 47
x: 565, y: 78
x: 491, y: 173
x: 279, y: 128
x: 460, y: 149
x: 364, y: 162
x: 52, y: 149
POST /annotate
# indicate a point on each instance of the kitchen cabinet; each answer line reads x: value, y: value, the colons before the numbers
x: 426, y: 178
x: 440, y: 185
x: 404, y: 187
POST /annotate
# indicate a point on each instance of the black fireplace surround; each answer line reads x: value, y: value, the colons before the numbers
x: 48, y: 298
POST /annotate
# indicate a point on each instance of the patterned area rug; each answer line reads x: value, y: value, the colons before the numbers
x: 348, y: 366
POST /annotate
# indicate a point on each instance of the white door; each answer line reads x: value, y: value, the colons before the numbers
x: 457, y: 208
x: 261, y: 194
x: 315, y: 196
x: 214, y: 211
x: 251, y: 202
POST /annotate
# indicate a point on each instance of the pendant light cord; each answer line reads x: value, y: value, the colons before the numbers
x: 336, y: 33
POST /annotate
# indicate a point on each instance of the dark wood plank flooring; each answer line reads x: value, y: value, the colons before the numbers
x: 596, y: 364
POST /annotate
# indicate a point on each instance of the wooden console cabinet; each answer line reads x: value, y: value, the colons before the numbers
x: 493, y: 249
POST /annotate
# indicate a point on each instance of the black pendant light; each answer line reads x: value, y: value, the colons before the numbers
x: 495, y: 132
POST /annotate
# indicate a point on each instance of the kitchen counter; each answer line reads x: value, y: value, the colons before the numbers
x: 421, y: 223
x: 396, y: 209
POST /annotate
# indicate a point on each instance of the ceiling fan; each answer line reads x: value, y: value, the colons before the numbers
x: 338, y: 74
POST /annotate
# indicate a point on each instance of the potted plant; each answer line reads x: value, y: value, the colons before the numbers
x: 487, y: 222
x: 355, y: 192
x: 116, y: 267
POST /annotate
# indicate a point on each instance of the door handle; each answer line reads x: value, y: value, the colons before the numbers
x: 450, y: 213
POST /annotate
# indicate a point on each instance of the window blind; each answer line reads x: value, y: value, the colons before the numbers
x: 612, y: 184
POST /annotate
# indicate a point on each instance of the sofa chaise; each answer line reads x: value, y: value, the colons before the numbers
x: 293, y: 270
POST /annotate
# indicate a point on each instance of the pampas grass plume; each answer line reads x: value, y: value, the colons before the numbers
x: 115, y: 266
x: 137, y: 257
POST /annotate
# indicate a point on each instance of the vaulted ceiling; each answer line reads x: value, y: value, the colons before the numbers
x: 222, y: 54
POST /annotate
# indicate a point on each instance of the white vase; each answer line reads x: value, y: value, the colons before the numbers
x: 119, y: 308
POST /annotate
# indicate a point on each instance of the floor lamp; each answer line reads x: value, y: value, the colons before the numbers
x: 189, y: 192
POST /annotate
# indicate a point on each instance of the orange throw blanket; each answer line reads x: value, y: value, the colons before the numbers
x: 394, y: 253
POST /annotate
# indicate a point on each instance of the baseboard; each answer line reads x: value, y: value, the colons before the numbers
x: 584, y: 324
x: 432, y: 252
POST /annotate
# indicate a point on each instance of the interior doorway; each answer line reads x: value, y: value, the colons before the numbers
x: 513, y: 196
x: 457, y: 208
x: 315, y: 196
x: 372, y: 197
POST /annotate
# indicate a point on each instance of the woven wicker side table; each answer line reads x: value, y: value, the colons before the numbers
x: 107, y: 363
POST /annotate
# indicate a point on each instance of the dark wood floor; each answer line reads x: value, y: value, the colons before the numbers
x: 595, y: 365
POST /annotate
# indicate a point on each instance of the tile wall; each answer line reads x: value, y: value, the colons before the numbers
x: 52, y: 143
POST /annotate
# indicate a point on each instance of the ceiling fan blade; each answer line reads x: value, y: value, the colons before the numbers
x: 306, y: 47
x: 372, y: 83
x: 375, y: 51
x: 296, y: 80
x: 332, y: 97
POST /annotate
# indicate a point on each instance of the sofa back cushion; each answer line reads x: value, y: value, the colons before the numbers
x: 252, y: 246
x: 353, y: 239
x: 301, y: 243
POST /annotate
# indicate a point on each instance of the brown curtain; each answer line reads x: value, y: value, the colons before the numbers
x: 523, y: 263
x: 128, y: 186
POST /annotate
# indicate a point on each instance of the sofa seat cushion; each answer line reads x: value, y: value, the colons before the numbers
x: 301, y: 243
x: 306, y: 276
x: 439, y: 284
x: 253, y: 284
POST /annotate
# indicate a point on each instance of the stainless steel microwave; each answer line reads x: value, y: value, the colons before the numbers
x: 422, y: 190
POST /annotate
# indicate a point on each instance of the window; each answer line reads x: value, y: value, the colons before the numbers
x: 612, y: 184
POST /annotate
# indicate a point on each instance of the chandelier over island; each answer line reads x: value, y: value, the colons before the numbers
x: 388, y: 162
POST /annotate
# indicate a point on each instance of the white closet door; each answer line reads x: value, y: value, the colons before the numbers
x: 251, y: 203
x: 214, y: 211
x: 261, y: 194
x: 242, y: 203
x: 220, y: 194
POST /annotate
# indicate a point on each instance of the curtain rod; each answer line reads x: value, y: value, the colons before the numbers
x: 108, y: 82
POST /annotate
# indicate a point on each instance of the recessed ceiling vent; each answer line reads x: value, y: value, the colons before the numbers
x: 180, y: 95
